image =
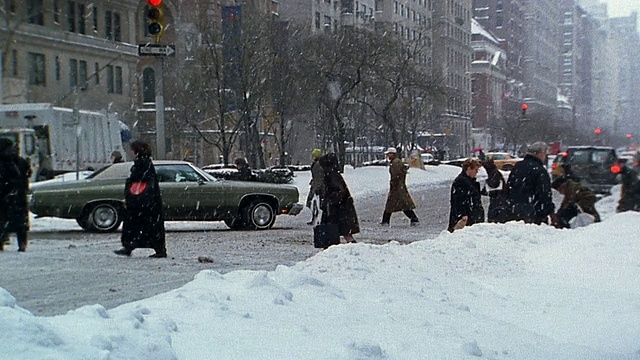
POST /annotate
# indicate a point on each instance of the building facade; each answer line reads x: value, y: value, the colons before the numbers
x: 452, y: 68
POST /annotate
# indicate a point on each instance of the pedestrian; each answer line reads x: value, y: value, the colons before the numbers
x: 337, y: 204
x: 529, y: 188
x: 143, y: 225
x: 577, y: 198
x: 630, y: 190
x: 495, y: 188
x: 316, y: 186
x: 398, y: 198
x: 466, y: 201
x: 244, y: 170
x: 116, y: 157
x: 14, y: 185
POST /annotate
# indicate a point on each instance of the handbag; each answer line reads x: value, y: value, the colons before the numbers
x: 137, y: 187
x: 325, y: 235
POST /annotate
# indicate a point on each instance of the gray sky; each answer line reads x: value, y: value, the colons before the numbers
x: 622, y: 7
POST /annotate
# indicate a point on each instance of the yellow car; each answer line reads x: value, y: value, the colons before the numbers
x: 504, y: 161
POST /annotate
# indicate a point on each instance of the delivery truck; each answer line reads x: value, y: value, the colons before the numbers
x: 58, y: 140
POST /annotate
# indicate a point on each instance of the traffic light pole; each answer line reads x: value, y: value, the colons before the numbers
x: 160, y: 137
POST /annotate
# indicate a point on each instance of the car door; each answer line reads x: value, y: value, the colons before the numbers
x: 176, y: 190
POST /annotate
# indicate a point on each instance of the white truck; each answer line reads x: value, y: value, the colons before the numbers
x: 56, y: 141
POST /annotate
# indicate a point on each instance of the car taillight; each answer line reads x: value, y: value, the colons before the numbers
x: 636, y: 163
x: 554, y: 166
x: 616, y: 169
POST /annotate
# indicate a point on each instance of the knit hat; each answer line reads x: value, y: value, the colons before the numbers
x: 316, y: 153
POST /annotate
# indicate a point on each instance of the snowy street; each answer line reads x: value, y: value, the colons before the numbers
x: 66, y: 268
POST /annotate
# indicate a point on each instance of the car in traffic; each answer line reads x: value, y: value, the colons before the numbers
x: 188, y: 194
x: 557, y: 165
x: 592, y: 165
x: 503, y: 160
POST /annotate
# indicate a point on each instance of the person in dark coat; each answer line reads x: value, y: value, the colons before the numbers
x: 466, y: 201
x: 399, y: 198
x: 14, y: 185
x: 575, y: 195
x: 116, y: 157
x: 316, y: 190
x: 244, y: 171
x: 143, y: 225
x: 337, y: 204
x: 529, y: 188
x: 495, y: 188
x: 630, y: 191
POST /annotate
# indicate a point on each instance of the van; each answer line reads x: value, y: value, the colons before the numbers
x: 592, y: 165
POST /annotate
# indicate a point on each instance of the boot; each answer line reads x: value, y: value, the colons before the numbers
x: 123, y: 252
x: 22, y: 241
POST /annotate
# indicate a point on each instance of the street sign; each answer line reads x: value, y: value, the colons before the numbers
x: 156, y: 50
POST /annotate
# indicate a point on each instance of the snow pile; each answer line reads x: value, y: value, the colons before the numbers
x: 500, y: 291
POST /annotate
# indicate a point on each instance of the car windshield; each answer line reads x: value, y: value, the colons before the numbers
x: 181, y: 173
x: 498, y: 157
x: 592, y: 156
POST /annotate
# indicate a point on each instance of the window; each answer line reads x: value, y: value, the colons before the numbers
x: 317, y: 20
x: 118, y: 80
x: 114, y: 79
x: 96, y: 73
x: 56, y: 11
x: 71, y: 15
x: 73, y: 72
x: 110, y: 88
x: 83, y: 74
x: 94, y: 11
x: 148, y: 85
x: 14, y: 62
x: 34, y: 12
x: 37, y: 73
x: 81, y: 16
x: 11, y: 6
x: 327, y: 24
x: 116, y: 27
x: 108, y: 25
x: 57, y: 64
x: 379, y: 5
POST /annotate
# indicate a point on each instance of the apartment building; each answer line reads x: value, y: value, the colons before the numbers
x: 52, y: 47
x: 452, y: 66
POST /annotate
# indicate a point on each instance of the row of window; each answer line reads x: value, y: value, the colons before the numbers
x: 78, y: 16
x: 36, y: 68
x: 410, y: 14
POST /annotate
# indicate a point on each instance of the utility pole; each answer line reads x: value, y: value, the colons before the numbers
x: 76, y: 118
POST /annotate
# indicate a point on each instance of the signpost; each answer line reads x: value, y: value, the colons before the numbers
x: 159, y: 51
x: 156, y: 50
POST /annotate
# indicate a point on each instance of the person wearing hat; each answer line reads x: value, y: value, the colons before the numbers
x: 529, y: 187
x: 577, y: 197
x: 244, y: 171
x: 116, y: 157
x: 316, y: 186
x: 630, y: 191
x: 14, y: 185
x: 399, y: 198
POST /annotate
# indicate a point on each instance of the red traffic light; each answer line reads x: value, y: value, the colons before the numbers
x: 597, y: 131
x: 629, y: 136
x: 525, y: 107
x: 154, y: 2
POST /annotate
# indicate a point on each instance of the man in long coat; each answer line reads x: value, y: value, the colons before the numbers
x: 317, y: 187
x: 529, y: 187
x: 14, y: 184
x: 398, y: 198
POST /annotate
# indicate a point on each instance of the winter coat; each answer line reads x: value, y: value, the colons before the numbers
x: 337, y: 204
x: 576, y: 193
x: 398, y: 198
x: 14, y: 185
x: 465, y: 201
x: 143, y: 225
x: 316, y: 184
x: 630, y: 191
x: 495, y: 188
x: 529, y: 189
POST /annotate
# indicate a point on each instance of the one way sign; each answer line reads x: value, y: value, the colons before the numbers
x: 156, y: 50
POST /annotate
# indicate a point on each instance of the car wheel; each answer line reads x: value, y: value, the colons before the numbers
x: 259, y: 215
x: 105, y: 217
x: 234, y: 223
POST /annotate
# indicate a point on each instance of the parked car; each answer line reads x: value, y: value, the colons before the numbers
x: 503, y: 160
x: 557, y: 166
x: 274, y: 174
x: 188, y: 194
x: 592, y: 165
